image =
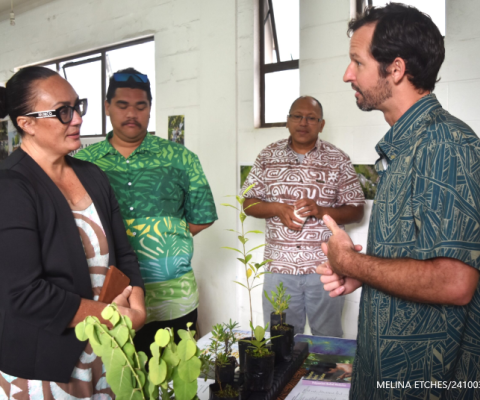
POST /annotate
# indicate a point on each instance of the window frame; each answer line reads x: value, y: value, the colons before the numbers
x: 272, y: 67
x: 360, y: 6
x: 102, y: 51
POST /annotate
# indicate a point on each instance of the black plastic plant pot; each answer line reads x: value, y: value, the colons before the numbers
x: 225, y: 373
x: 259, y: 372
x: 215, y: 394
x: 242, y: 347
x: 283, y: 344
x: 276, y: 320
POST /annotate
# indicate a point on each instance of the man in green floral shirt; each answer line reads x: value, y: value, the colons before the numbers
x: 164, y: 199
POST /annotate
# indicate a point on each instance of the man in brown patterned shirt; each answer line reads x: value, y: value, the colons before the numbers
x: 300, y: 179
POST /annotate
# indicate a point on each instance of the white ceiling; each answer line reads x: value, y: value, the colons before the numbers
x: 19, y: 6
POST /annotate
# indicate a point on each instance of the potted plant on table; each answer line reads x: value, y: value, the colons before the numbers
x: 173, y: 369
x: 253, y: 271
x: 283, y: 343
x: 219, y: 357
x: 259, y: 362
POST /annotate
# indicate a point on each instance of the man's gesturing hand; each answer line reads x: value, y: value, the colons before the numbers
x: 339, y: 249
x: 337, y: 285
x: 335, y: 282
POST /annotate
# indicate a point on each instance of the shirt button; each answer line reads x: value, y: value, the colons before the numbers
x: 129, y: 183
x: 134, y: 233
x: 131, y: 208
x: 298, y: 247
x: 128, y: 161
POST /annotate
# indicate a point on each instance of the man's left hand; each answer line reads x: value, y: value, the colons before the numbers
x: 339, y: 248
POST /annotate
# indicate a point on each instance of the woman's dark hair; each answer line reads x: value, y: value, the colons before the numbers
x: 113, y: 85
x: 405, y: 32
x: 18, y: 96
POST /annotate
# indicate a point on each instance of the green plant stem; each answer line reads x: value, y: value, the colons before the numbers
x: 246, y: 276
x: 105, y: 330
x: 131, y: 341
x: 218, y: 377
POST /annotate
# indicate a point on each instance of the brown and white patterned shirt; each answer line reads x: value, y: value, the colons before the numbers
x: 325, y: 175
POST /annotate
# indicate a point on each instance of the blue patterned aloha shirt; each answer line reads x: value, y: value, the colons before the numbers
x: 427, y: 205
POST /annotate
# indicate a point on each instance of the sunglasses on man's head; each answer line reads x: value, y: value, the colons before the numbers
x: 63, y: 113
x: 125, y: 77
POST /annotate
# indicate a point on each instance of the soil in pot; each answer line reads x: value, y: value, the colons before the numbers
x: 283, y: 344
x: 228, y: 392
x: 277, y: 319
x: 259, y: 371
x: 225, y: 373
x: 242, y: 347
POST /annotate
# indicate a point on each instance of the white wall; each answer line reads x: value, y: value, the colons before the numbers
x: 205, y: 70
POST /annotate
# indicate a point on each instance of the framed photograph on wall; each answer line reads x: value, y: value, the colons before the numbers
x: 368, y: 177
x: 176, y: 129
x: 4, y: 148
x: 244, y: 171
x: 14, y: 138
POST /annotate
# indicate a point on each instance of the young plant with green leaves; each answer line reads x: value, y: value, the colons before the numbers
x: 258, y: 346
x: 177, y: 364
x: 223, y: 338
x: 220, y: 349
x: 125, y: 368
x: 253, y: 271
x: 280, y: 301
x: 220, y: 353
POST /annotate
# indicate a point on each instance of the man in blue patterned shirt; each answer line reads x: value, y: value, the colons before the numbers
x: 419, y: 323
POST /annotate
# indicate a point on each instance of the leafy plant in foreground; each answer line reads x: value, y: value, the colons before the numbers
x: 125, y: 368
x: 178, y: 363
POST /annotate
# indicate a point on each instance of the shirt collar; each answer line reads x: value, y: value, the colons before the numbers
x: 399, y: 134
x: 148, y: 144
x: 288, y: 146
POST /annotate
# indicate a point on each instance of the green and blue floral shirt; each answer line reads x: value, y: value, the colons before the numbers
x: 160, y: 188
x: 427, y: 205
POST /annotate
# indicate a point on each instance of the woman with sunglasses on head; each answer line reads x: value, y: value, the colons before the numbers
x: 60, y: 230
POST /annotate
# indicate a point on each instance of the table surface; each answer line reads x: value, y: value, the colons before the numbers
x: 316, y: 344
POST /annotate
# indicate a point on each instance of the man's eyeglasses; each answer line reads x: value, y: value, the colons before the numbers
x: 299, y: 118
x: 124, y: 77
x: 63, y: 113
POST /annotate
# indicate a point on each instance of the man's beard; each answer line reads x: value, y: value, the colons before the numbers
x: 372, y: 98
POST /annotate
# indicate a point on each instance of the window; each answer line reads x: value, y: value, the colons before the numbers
x: 279, y: 54
x: 90, y: 72
x: 436, y: 9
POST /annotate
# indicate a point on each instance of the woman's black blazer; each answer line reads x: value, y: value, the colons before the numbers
x: 43, y: 268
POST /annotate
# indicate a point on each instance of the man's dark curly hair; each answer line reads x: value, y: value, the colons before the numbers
x: 405, y: 32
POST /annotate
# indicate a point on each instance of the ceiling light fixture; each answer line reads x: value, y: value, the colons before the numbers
x: 12, y: 16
